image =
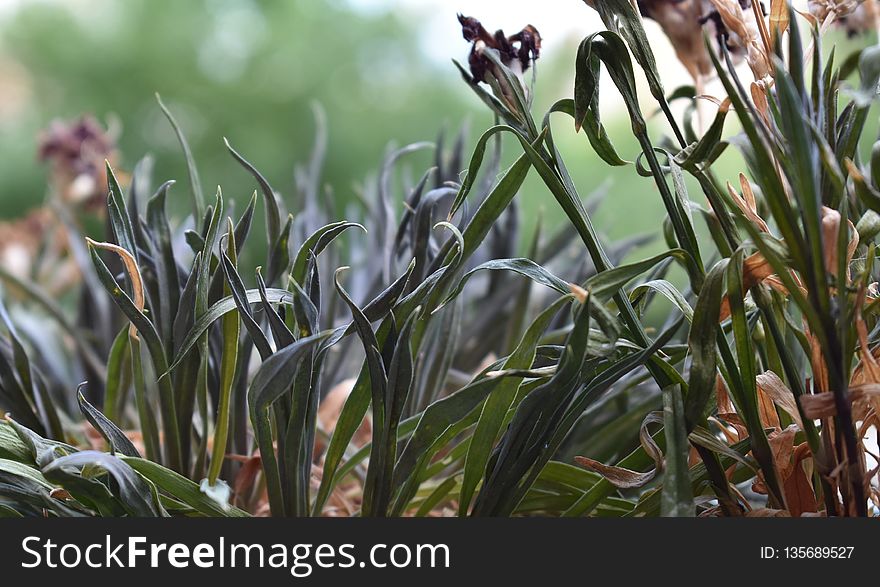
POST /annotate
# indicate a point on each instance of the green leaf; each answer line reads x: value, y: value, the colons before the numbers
x: 378, y: 487
x: 440, y: 493
x: 650, y: 502
x: 11, y: 446
x: 378, y: 380
x: 677, y: 498
x: 220, y: 309
x: 118, y: 375
x: 42, y: 450
x: 147, y: 331
x: 120, y: 221
x: 282, y: 335
x: 604, y: 285
x: 494, y: 205
x: 437, y: 426
x: 316, y: 243
x: 16, y: 381
x: 359, y: 399
x: 701, y: 154
x: 235, y: 286
x: 622, y: 17
x: 115, y: 437
x: 21, y: 470
x: 167, y: 276
x: 524, y: 267
x: 230, y: 327
x: 271, y: 199
x: 529, y: 428
x: 540, y: 448
x: 183, y: 489
x: 146, y: 417
x: 198, y: 197
x: 495, y: 408
x: 747, y: 398
x: 270, y: 382
x: 607, y: 47
x: 592, y: 126
x: 473, y: 168
x: 702, y: 345
x: 279, y: 254
x: 136, y: 495
x: 667, y: 290
x: 702, y: 437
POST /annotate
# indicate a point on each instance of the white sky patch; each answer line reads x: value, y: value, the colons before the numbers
x: 558, y: 21
x: 8, y: 6
x: 562, y: 24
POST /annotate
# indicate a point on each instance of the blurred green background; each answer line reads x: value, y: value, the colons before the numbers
x: 251, y: 70
x: 244, y: 70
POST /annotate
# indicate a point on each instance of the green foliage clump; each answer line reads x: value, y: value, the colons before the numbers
x: 471, y: 380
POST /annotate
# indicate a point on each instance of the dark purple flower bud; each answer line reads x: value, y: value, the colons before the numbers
x: 516, y: 52
x: 76, y: 152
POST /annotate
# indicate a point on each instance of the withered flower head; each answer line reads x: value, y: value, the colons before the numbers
x: 732, y: 22
x: 854, y: 16
x: 681, y: 20
x: 737, y: 25
x: 76, y: 152
x: 516, y: 51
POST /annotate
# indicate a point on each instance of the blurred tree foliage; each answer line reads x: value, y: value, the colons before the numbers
x: 250, y: 70
x: 246, y: 70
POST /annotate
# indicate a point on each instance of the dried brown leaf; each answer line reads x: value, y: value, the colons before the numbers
x: 799, y: 495
x: 767, y: 411
x: 625, y: 478
x: 778, y: 17
x: 578, y: 292
x: 134, y: 274
x: 618, y: 476
x: 756, y: 269
x: 771, y: 385
x: 747, y: 202
x: 782, y: 449
x: 817, y: 362
x: 818, y: 406
x: 830, y: 230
